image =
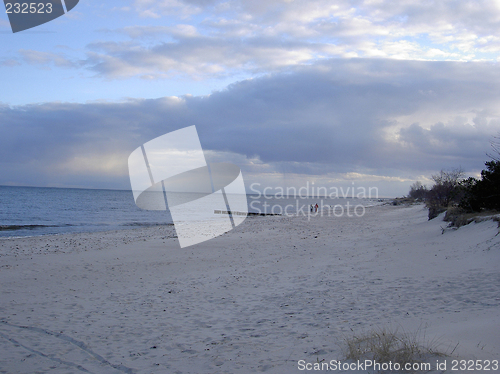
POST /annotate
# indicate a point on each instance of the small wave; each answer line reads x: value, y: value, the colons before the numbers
x: 22, y: 227
x: 146, y: 224
x: 29, y: 227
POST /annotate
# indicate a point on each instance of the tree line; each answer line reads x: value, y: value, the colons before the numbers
x: 451, y: 189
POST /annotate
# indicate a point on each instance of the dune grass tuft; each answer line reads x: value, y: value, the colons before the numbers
x: 458, y: 217
x: 391, y: 345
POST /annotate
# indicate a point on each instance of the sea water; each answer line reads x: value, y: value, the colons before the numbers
x: 32, y: 211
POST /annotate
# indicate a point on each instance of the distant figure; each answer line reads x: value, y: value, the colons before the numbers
x: 312, y: 208
x: 316, y: 207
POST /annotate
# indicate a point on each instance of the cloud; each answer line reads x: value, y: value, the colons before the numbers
x: 196, y: 56
x: 139, y: 32
x: 9, y: 62
x: 386, y: 119
x: 33, y: 57
x: 158, y: 8
x: 203, y: 39
x: 253, y: 36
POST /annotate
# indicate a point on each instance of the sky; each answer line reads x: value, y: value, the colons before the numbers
x: 368, y: 93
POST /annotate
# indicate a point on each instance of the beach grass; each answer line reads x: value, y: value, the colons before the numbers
x: 384, y: 345
x: 457, y: 217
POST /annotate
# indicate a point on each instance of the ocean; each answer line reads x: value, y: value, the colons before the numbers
x: 33, y: 211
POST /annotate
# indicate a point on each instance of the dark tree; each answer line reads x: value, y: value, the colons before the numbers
x: 445, y: 191
x: 483, y: 193
x: 418, y: 191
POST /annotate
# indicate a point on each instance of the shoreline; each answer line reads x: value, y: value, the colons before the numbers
x: 86, y: 220
x: 130, y: 228
x: 271, y: 292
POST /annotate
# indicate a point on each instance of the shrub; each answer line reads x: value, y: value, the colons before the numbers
x: 456, y: 216
x: 434, y: 210
x: 446, y: 190
x: 418, y: 191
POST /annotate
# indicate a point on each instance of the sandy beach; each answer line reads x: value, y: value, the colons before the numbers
x: 260, y: 298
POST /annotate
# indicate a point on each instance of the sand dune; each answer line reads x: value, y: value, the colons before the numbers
x: 260, y: 298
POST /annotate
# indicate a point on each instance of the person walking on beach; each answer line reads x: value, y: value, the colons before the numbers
x: 316, y: 208
x: 311, y: 208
